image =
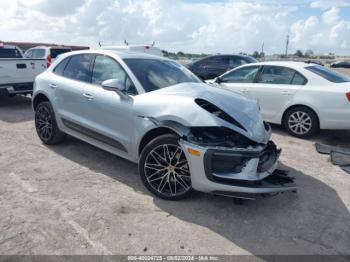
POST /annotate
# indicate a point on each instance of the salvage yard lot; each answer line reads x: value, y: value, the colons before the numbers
x: 76, y: 199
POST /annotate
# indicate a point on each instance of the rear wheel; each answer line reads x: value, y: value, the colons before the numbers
x: 46, y: 126
x: 164, y: 169
x: 301, y: 122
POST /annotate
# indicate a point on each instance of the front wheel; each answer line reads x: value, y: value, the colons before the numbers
x: 301, y: 122
x: 164, y: 169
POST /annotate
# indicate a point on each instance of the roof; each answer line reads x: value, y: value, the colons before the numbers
x: 282, y: 63
x: 121, y: 54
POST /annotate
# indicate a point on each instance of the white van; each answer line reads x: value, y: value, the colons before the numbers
x: 148, y: 49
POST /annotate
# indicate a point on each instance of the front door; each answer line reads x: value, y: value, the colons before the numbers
x: 240, y: 80
x: 107, y: 113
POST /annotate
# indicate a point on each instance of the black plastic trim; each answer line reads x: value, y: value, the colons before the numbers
x: 90, y: 133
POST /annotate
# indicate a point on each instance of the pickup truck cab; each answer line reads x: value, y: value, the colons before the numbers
x: 46, y: 52
x: 17, y: 74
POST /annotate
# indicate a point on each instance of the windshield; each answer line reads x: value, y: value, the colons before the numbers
x: 154, y: 74
x: 328, y: 74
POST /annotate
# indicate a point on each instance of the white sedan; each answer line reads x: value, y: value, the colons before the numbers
x: 300, y: 96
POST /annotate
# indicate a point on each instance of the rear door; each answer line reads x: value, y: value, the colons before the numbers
x: 74, y: 75
x: 240, y: 80
x: 211, y: 67
x: 275, y: 88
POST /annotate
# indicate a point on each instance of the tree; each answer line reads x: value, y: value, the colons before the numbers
x: 309, y: 53
x: 298, y: 53
x: 180, y: 54
x: 256, y: 54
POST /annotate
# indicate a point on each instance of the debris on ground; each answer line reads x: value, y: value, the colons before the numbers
x: 340, y: 156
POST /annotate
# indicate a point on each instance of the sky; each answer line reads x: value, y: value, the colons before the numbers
x: 197, y: 26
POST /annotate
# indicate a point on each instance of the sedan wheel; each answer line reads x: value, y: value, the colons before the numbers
x: 301, y: 122
x: 164, y: 168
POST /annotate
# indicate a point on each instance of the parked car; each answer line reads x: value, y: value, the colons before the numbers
x: 183, y: 133
x: 312, y: 61
x: 341, y: 64
x: 302, y: 97
x: 147, y: 49
x: 49, y: 53
x: 215, y: 65
x: 17, y: 74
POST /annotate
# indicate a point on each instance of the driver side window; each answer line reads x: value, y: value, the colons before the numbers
x: 106, y: 68
x: 242, y: 75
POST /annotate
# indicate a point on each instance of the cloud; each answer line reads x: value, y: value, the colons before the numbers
x: 223, y: 26
x: 326, y: 4
x: 326, y: 34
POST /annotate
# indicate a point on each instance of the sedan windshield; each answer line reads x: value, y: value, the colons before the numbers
x: 328, y: 74
x: 154, y: 74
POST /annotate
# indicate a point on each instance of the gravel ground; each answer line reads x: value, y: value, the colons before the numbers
x: 76, y: 199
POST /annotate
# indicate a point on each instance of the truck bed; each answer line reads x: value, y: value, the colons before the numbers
x: 17, y: 75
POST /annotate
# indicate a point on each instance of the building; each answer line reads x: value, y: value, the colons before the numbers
x: 26, y: 45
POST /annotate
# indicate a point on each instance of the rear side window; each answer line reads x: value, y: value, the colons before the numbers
x: 211, y: 61
x: 54, y: 52
x: 38, y: 53
x: 280, y: 75
x: 328, y: 74
x: 61, y: 66
x: 241, y: 75
x: 298, y: 79
x: 234, y: 61
x: 78, y: 68
x: 10, y: 53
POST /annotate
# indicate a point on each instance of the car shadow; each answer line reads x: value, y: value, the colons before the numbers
x: 312, y: 221
x: 16, y: 109
x: 329, y: 137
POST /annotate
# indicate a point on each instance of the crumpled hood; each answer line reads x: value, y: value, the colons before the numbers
x: 177, y: 103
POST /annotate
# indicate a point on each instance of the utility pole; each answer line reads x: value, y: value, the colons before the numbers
x: 287, y: 44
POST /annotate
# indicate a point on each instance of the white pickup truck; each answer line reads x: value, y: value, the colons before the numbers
x: 17, y: 74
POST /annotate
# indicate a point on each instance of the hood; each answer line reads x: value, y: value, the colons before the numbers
x: 178, y: 103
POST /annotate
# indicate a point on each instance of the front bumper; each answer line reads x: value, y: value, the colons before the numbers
x: 229, y: 171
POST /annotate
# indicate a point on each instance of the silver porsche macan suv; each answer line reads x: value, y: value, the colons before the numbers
x: 183, y: 134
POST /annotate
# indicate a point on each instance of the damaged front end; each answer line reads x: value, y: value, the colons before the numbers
x: 227, y: 163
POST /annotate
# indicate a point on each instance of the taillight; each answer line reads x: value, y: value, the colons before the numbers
x: 48, y: 59
x: 348, y: 96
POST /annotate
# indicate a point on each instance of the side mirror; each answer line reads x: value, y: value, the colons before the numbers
x: 218, y: 80
x: 113, y: 85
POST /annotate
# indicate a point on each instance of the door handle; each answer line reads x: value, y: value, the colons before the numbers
x: 88, y: 96
x: 285, y: 92
x: 52, y: 85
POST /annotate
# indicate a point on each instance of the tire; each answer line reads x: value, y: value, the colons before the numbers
x: 301, y: 122
x: 46, y: 125
x: 159, y: 172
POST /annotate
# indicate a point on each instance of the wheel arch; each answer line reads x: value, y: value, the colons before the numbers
x: 167, y: 127
x: 40, y: 97
x: 299, y: 105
